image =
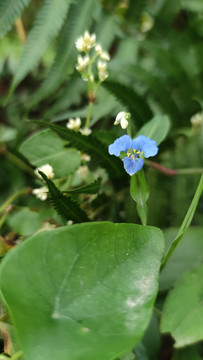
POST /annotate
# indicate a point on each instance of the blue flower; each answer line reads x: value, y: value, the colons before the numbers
x: 133, y: 148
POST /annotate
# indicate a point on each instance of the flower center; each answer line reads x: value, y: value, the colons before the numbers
x: 133, y: 153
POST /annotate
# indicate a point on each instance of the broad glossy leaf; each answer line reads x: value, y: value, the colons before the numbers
x: 45, y: 147
x: 183, y: 309
x: 187, y: 255
x: 89, y: 292
x: 156, y: 129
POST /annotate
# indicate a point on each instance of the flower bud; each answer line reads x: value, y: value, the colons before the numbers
x: 122, y: 118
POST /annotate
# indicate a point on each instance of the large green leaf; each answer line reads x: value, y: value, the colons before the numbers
x: 90, y: 145
x: 45, y: 147
x: 183, y: 309
x: 47, y: 25
x: 89, y: 292
x: 156, y: 129
x: 186, y: 256
x: 10, y: 10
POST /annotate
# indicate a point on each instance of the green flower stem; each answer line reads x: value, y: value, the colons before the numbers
x: 173, y: 172
x: 13, y: 197
x: 189, y: 171
x: 185, y: 224
x: 87, y: 122
x: 3, y: 219
x: 17, y: 161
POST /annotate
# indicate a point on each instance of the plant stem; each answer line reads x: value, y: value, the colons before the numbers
x: 87, y: 123
x: 185, y: 224
x: 20, y: 30
x: 13, y: 197
x: 16, y: 160
x: 173, y: 172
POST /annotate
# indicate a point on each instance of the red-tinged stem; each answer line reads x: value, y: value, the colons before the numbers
x: 161, y: 168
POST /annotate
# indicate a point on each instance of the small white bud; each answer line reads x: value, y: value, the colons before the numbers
x: 122, y: 118
x: 85, y: 42
x: 70, y: 222
x: 83, y: 62
x: 85, y: 131
x: 85, y: 157
x: 46, y: 169
x: 74, y: 124
x: 41, y: 193
x: 83, y: 171
x: 105, y: 56
x: 197, y: 119
x: 79, y: 44
x: 146, y: 23
x: 101, y: 66
x: 98, y: 49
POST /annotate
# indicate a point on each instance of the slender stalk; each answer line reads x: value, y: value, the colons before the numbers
x: 87, y: 122
x: 3, y: 219
x: 13, y: 197
x: 173, y: 172
x: 20, y: 163
x: 21, y: 30
x: 185, y: 224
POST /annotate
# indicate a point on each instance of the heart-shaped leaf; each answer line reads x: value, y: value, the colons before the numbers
x: 83, y: 291
x: 45, y: 147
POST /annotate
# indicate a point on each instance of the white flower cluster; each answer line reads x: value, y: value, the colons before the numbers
x: 84, y: 44
x: 146, y: 22
x: 197, y: 119
x: 122, y: 118
x: 46, y: 169
x: 75, y: 124
x: 42, y: 192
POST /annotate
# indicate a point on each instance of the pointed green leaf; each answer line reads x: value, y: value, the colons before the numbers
x: 92, y: 188
x: 156, y: 129
x: 183, y: 309
x: 64, y: 205
x: 140, y: 193
x: 87, y: 294
x: 10, y: 10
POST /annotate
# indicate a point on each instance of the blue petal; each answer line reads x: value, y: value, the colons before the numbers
x: 123, y: 143
x: 132, y: 166
x: 143, y: 143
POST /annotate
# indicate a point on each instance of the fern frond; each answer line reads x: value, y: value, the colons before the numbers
x: 90, y: 145
x: 155, y: 86
x: 64, y: 206
x: 135, y: 103
x: 10, y: 10
x: 78, y: 21
x: 48, y: 22
x: 92, y: 188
